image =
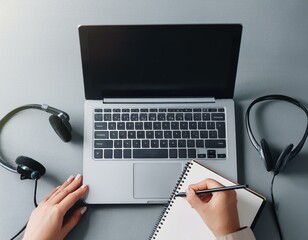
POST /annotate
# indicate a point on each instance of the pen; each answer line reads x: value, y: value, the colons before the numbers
x: 183, y: 194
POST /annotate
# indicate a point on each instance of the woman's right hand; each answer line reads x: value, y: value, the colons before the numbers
x: 218, y: 210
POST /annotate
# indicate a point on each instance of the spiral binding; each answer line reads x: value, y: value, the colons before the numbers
x: 166, y: 210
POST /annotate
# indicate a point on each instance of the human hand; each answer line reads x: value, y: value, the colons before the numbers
x: 218, y: 210
x: 47, y: 220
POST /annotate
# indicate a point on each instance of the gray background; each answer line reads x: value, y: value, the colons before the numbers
x: 40, y: 63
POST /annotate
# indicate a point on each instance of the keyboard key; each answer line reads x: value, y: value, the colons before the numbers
x: 182, y: 153
x: 211, y: 153
x: 107, y: 117
x: 100, y: 126
x: 157, y: 125
x: 116, y: 117
x: 134, y: 117
x: 221, y: 127
x: 98, y: 110
x: 212, y: 134
x: 154, y: 143
x: 173, y: 143
x: 131, y: 134
x: 98, y: 153
x: 125, y: 117
x: 107, y: 153
x: 166, y: 125
x: 218, y: 116
x: 127, y: 144
x: 139, y: 125
x: 204, y: 134
x: 221, y: 155
x: 206, y: 116
x: 173, y: 153
x: 168, y: 134
x: 127, y: 153
x: 215, y: 143
x: 188, y: 116
x: 118, y: 143
x: 122, y: 134
x: 159, y: 134
x: 194, y: 134
x: 191, y: 153
x: 152, y: 117
x: 163, y: 143
x: 114, y: 135
x: 117, y: 153
x: 201, y: 125
x: 145, y: 143
x: 150, y: 153
x: 98, y: 117
x: 143, y: 117
x: 175, y: 125
x: 112, y: 126
x: 176, y: 134
x: 161, y: 117
x: 170, y: 116
x: 121, y: 126
x: 179, y: 116
x: 201, y: 155
x: 140, y: 134
x: 199, y: 143
x: 101, y: 134
x: 149, y: 134
x: 192, y: 125
x: 183, y: 125
x: 210, y: 125
x: 185, y: 134
x: 136, y: 143
x: 103, y: 144
x: 148, y: 126
x: 182, y: 143
x: 130, y: 126
x: 190, y: 143
x: 197, y: 116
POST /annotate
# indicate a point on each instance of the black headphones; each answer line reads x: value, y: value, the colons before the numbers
x: 263, y: 148
x: 27, y: 167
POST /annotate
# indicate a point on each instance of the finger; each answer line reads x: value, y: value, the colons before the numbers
x: 72, y: 221
x: 59, y: 189
x: 206, y: 184
x: 72, y: 198
x: 65, y: 191
x: 193, y: 199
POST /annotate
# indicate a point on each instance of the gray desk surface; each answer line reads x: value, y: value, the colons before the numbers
x: 40, y: 63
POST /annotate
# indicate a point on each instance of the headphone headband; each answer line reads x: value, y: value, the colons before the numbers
x: 254, y: 142
x: 63, y: 124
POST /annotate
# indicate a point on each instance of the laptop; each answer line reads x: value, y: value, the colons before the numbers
x: 157, y: 96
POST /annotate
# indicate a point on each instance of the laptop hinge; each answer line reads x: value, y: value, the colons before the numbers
x: 158, y: 100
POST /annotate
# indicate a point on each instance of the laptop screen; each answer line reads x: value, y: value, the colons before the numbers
x: 133, y: 61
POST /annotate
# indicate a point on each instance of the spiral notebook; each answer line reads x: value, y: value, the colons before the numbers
x: 181, y: 222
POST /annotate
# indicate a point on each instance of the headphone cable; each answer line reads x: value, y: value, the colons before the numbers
x: 274, y: 208
x: 35, y: 204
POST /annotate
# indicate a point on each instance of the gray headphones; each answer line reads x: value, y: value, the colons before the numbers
x: 27, y: 167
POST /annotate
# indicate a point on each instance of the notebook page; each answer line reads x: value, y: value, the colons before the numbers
x: 183, y: 223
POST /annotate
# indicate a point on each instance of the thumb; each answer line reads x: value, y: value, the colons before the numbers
x: 193, y: 199
x: 72, y: 221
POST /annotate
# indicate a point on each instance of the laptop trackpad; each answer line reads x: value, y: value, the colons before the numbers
x: 155, y: 180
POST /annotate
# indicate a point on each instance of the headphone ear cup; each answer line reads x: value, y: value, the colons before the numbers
x: 283, y: 159
x: 29, y: 168
x: 61, y: 128
x: 266, y: 155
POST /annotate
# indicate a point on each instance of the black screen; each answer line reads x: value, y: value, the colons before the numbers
x: 160, y: 60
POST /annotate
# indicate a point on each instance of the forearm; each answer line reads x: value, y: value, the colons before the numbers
x: 243, y: 234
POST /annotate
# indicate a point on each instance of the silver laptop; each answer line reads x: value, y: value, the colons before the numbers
x: 157, y: 96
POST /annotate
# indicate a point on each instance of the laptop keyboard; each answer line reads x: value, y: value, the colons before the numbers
x: 154, y: 133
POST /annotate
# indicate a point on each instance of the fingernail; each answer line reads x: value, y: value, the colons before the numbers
x: 78, y: 176
x: 84, y: 186
x: 58, y: 187
x: 70, y: 178
x: 187, y: 190
x: 83, y: 210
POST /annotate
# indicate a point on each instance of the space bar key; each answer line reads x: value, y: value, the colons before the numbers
x: 150, y: 153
